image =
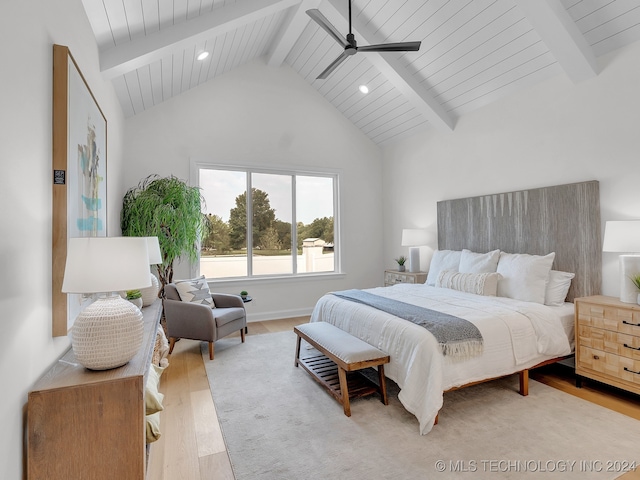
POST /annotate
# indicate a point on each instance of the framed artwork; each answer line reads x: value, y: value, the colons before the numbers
x: 79, y: 177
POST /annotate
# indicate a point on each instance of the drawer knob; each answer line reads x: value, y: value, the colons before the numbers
x: 632, y: 324
x: 596, y: 357
x: 631, y: 371
x: 632, y: 348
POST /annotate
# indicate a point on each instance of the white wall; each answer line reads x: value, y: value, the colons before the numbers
x: 28, y: 31
x: 257, y: 115
x: 551, y: 134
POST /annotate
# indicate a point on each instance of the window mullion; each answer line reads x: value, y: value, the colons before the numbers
x: 294, y: 226
x: 249, y: 226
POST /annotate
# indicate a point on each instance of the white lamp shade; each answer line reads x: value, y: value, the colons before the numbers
x: 153, y: 246
x: 622, y: 236
x: 414, y: 237
x: 106, y: 264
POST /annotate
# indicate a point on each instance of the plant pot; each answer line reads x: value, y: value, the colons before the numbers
x: 401, y: 268
x: 137, y: 302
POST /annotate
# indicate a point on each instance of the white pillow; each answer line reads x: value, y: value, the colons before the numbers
x: 478, y: 283
x: 195, y: 290
x: 442, y: 260
x: 557, y: 287
x: 471, y: 262
x: 524, y: 277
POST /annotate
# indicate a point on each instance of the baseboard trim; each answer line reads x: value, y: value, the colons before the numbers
x: 279, y: 314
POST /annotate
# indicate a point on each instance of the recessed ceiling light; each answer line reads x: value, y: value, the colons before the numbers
x: 364, y: 89
x: 202, y: 56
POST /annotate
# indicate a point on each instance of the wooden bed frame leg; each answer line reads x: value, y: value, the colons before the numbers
x: 435, y: 422
x: 297, y: 350
x: 524, y: 382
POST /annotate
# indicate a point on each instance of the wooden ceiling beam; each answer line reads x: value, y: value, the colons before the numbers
x: 560, y: 33
x: 123, y: 58
x: 390, y: 66
x: 287, y: 37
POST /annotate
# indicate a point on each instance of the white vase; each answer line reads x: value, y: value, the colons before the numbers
x: 137, y: 302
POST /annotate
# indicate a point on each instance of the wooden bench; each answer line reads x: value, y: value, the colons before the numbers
x: 341, y: 353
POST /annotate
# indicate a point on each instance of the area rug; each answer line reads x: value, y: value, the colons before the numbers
x: 278, y: 423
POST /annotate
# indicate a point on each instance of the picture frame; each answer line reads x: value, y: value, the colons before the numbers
x: 79, y: 190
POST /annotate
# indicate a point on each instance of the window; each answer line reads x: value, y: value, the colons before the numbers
x: 267, y: 223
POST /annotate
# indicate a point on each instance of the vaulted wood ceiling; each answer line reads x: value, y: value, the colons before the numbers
x: 473, y: 51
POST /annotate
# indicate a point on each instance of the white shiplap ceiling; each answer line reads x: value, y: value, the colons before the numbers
x: 473, y: 51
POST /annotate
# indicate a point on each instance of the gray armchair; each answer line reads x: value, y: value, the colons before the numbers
x: 201, y: 322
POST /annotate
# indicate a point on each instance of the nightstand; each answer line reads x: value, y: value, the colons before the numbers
x: 608, y: 342
x: 391, y: 277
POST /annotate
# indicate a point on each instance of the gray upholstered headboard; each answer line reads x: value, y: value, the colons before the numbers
x: 564, y: 219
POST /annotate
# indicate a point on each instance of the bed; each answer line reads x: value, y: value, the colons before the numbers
x: 556, y: 227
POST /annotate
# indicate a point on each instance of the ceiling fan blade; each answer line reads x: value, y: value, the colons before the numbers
x: 327, y: 71
x: 391, y: 47
x: 321, y: 20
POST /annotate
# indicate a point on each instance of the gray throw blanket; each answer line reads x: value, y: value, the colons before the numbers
x: 458, y: 338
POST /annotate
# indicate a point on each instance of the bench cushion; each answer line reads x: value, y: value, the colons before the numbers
x: 340, y: 343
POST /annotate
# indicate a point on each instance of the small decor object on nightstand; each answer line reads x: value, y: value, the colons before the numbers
x: 244, y: 294
x: 401, y: 260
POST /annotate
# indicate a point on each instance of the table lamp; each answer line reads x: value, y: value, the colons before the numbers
x: 414, y: 238
x: 624, y: 237
x: 108, y: 333
x: 150, y: 294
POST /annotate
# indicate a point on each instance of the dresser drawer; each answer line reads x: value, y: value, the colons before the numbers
x: 609, y: 341
x: 608, y: 317
x: 609, y: 365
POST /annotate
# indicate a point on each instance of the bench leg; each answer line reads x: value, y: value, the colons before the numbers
x: 342, y: 375
x: 298, y: 350
x: 383, y: 384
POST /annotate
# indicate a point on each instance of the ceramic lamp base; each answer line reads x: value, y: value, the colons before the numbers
x: 414, y: 259
x: 150, y: 294
x: 629, y: 267
x: 107, y: 334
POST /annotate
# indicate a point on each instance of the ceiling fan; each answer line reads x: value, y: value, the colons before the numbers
x: 350, y: 45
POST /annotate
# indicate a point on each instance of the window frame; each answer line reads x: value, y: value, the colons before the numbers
x: 248, y: 169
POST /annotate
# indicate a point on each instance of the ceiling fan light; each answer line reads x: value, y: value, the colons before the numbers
x: 364, y: 89
x: 202, y: 55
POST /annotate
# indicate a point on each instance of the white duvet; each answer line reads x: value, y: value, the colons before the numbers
x: 517, y: 335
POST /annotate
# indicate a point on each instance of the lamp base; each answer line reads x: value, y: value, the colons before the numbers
x: 629, y: 267
x: 150, y: 294
x: 107, y: 334
x: 414, y: 259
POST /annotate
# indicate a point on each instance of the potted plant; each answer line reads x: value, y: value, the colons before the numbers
x: 636, y: 281
x: 401, y: 260
x: 167, y: 208
x: 244, y: 294
x: 135, y: 297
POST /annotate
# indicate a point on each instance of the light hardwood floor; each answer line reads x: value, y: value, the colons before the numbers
x: 192, y: 446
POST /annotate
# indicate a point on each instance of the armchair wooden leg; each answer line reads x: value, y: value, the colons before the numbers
x: 172, y: 342
x: 242, y: 334
x: 210, y: 350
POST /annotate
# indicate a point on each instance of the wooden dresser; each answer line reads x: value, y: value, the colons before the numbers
x: 608, y: 342
x: 91, y: 424
x: 391, y: 277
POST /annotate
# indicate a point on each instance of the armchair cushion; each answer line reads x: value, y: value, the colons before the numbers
x: 226, y: 315
x: 195, y: 290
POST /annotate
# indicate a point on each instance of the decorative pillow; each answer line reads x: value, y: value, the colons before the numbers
x: 479, y: 283
x: 195, y: 290
x: 152, y: 397
x: 442, y: 260
x: 153, y: 427
x: 524, y: 276
x: 471, y: 262
x: 557, y: 287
